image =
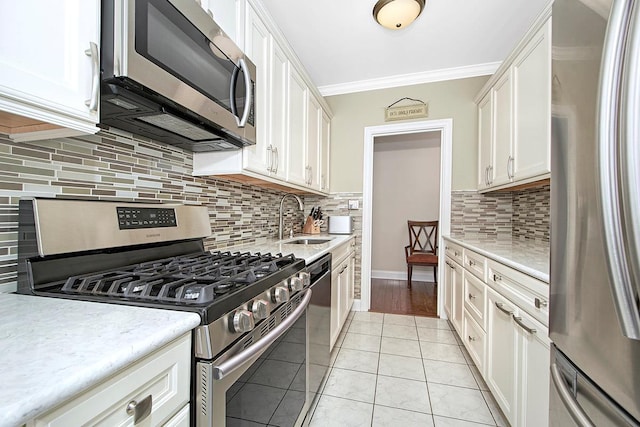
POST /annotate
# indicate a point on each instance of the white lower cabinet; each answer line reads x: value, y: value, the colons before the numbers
x: 502, y: 323
x: 342, y: 286
x: 160, y: 382
x: 501, y: 373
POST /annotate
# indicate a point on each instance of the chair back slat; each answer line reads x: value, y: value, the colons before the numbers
x: 423, y: 236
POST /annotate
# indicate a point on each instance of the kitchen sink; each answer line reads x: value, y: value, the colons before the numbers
x: 308, y: 241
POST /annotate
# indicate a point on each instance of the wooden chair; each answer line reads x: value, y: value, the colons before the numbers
x: 422, y: 248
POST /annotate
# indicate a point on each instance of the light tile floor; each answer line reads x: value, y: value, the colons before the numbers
x: 395, y: 370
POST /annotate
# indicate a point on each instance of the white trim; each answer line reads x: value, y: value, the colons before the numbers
x: 445, y: 126
x: 411, y: 79
x: 356, y: 306
x: 417, y: 276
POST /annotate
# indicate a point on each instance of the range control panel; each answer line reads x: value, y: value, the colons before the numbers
x: 132, y: 218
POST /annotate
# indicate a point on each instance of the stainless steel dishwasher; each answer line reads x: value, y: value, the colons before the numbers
x: 319, y: 324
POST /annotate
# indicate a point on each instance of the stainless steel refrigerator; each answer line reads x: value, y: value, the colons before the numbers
x: 595, y: 213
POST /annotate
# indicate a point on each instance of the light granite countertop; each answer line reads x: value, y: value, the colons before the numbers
x: 528, y: 257
x: 52, y: 349
x: 308, y: 252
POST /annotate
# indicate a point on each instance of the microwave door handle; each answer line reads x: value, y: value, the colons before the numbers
x: 248, y: 97
x: 228, y: 366
x: 630, y: 149
x: 232, y: 93
x: 608, y: 166
x: 241, y: 122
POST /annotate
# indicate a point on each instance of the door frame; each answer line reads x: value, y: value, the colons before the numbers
x: 445, y: 127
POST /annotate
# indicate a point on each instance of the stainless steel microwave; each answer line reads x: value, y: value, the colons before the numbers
x: 170, y: 73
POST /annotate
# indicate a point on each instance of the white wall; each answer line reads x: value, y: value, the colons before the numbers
x: 406, y: 185
x: 447, y: 99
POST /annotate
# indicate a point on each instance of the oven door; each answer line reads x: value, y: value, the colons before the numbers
x: 173, y: 48
x: 262, y: 379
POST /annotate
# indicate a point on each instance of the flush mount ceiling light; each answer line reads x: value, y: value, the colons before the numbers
x: 397, y: 14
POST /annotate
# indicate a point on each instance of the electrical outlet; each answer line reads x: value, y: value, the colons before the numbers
x: 354, y: 204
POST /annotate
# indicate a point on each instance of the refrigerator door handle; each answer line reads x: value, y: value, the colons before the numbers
x: 566, y: 396
x: 630, y: 146
x: 609, y: 167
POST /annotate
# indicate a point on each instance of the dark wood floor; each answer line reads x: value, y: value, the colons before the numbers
x: 393, y: 296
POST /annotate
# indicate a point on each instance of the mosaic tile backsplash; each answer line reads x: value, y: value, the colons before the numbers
x: 521, y: 214
x: 117, y: 167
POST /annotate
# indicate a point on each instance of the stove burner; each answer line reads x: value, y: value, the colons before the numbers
x: 192, y: 279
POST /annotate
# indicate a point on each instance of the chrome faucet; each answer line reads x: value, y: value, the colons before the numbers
x: 280, y: 224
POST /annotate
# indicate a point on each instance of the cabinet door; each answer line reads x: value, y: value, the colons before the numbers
x: 325, y: 141
x: 335, y: 305
x: 45, y: 73
x: 448, y: 288
x: 314, y: 123
x: 501, y: 353
x: 259, y: 157
x: 534, y: 359
x: 297, y: 129
x: 501, y: 172
x: 485, y: 139
x: 278, y: 112
x: 532, y: 102
x: 457, y: 296
x: 225, y: 14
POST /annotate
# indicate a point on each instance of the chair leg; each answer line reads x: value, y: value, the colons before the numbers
x: 409, y: 272
x: 435, y: 274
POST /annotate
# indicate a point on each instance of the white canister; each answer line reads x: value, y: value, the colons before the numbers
x: 342, y: 224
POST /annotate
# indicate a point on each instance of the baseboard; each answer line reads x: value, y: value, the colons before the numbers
x: 356, y: 305
x: 418, y: 276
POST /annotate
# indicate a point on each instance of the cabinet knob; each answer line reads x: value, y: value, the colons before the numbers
x: 470, y: 338
x: 540, y: 303
x: 472, y: 263
x: 140, y: 410
x: 497, y: 277
x: 472, y: 296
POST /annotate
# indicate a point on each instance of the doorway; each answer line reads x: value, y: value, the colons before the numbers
x: 406, y: 186
x: 444, y: 127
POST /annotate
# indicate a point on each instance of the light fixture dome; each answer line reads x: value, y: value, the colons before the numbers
x: 397, y: 14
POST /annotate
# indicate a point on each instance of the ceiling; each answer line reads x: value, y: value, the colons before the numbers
x: 344, y: 50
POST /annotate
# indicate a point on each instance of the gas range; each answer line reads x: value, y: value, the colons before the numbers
x: 252, y: 306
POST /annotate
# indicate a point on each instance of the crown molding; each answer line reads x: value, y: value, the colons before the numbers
x: 411, y: 79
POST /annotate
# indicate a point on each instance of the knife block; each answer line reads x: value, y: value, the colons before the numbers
x: 309, y: 228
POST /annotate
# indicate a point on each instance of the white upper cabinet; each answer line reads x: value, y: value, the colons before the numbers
x: 532, y: 107
x: 514, y: 115
x: 226, y: 13
x: 485, y: 137
x: 259, y: 157
x: 500, y: 172
x: 50, y: 66
x: 297, y: 135
x: 292, y: 119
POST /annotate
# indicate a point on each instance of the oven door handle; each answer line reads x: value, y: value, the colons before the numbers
x: 228, y: 366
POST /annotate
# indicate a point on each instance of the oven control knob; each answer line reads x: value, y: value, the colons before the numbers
x: 296, y: 284
x: 242, y: 321
x: 306, y: 278
x: 260, y: 309
x: 280, y: 294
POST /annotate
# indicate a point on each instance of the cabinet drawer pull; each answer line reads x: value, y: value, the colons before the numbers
x: 456, y: 253
x: 472, y: 263
x: 471, y: 296
x: 470, y: 338
x: 500, y: 307
x: 540, y: 303
x: 522, y: 325
x: 497, y: 277
x: 140, y: 410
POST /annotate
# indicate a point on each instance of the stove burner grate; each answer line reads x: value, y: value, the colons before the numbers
x: 192, y: 279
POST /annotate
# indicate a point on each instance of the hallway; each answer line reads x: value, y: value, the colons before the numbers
x: 393, y: 296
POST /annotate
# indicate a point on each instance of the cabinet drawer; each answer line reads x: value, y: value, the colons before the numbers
x: 453, y: 251
x: 529, y: 294
x: 474, y: 340
x: 164, y: 375
x: 476, y: 264
x: 475, y: 297
x: 339, y: 254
